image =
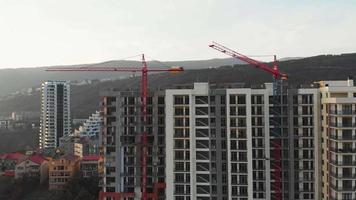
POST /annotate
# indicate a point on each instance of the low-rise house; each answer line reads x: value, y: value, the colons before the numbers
x: 32, y: 166
x: 61, y: 170
x: 9, y: 161
x: 92, y: 165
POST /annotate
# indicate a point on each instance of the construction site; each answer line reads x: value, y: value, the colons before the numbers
x: 216, y: 138
x: 224, y: 141
x: 267, y: 112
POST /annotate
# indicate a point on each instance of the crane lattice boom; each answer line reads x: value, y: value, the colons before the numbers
x: 274, y: 70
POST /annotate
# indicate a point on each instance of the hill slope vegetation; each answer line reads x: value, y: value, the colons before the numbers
x: 12, y: 80
x: 85, y: 99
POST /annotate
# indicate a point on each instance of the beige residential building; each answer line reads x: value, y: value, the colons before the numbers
x: 61, y: 170
x: 338, y: 140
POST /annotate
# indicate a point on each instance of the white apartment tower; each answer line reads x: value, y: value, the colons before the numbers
x: 92, y: 126
x: 219, y: 143
x: 55, y: 113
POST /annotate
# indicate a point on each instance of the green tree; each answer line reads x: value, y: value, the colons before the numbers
x: 84, y: 195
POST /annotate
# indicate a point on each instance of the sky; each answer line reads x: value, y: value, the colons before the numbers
x: 51, y: 32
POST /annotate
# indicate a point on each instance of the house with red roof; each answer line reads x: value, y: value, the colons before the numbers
x: 92, y: 165
x: 32, y: 166
x: 9, y: 161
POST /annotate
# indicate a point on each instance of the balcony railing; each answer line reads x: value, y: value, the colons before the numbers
x: 342, y: 125
x: 343, y: 198
x: 343, y: 163
x: 343, y: 176
x: 343, y: 137
x: 343, y: 150
x: 343, y: 188
x: 343, y: 112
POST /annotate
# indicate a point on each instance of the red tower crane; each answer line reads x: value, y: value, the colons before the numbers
x: 278, y: 77
x: 144, y: 94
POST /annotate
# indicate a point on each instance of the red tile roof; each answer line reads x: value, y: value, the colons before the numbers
x: 91, y: 158
x: 37, y: 159
x: 13, y: 156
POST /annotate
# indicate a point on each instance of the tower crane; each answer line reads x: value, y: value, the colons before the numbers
x: 278, y: 77
x: 144, y: 94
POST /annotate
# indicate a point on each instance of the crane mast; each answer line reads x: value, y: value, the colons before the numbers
x: 144, y: 91
x: 144, y: 141
x: 276, y: 110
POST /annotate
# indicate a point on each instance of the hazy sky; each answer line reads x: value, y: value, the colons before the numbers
x: 52, y: 32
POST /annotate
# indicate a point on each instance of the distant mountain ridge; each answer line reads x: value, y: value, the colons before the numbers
x: 85, y: 98
x: 12, y: 80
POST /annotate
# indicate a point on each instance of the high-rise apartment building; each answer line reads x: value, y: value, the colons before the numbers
x: 302, y: 146
x: 55, y: 113
x: 196, y: 143
x: 338, y: 140
x: 219, y: 142
x: 213, y: 141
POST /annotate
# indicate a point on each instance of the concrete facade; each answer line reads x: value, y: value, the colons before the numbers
x: 121, y: 138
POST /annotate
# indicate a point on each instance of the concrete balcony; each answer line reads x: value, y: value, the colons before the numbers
x: 343, y: 188
x: 343, y: 176
x: 343, y: 137
x: 343, y: 163
x: 342, y: 150
x: 345, y: 125
x: 342, y: 112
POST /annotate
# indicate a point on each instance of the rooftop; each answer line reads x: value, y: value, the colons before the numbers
x: 70, y: 157
x: 37, y: 159
x: 12, y: 156
x: 91, y: 158
x: 34, y: 158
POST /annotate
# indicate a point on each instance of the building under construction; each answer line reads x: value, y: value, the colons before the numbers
x: 122, y: 143
x: 229, y: 142
x: 211, y: 142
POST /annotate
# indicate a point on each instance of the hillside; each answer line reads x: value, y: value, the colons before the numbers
x: 12, y: 80
x: 24, y: 139
x: 85, y: 99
